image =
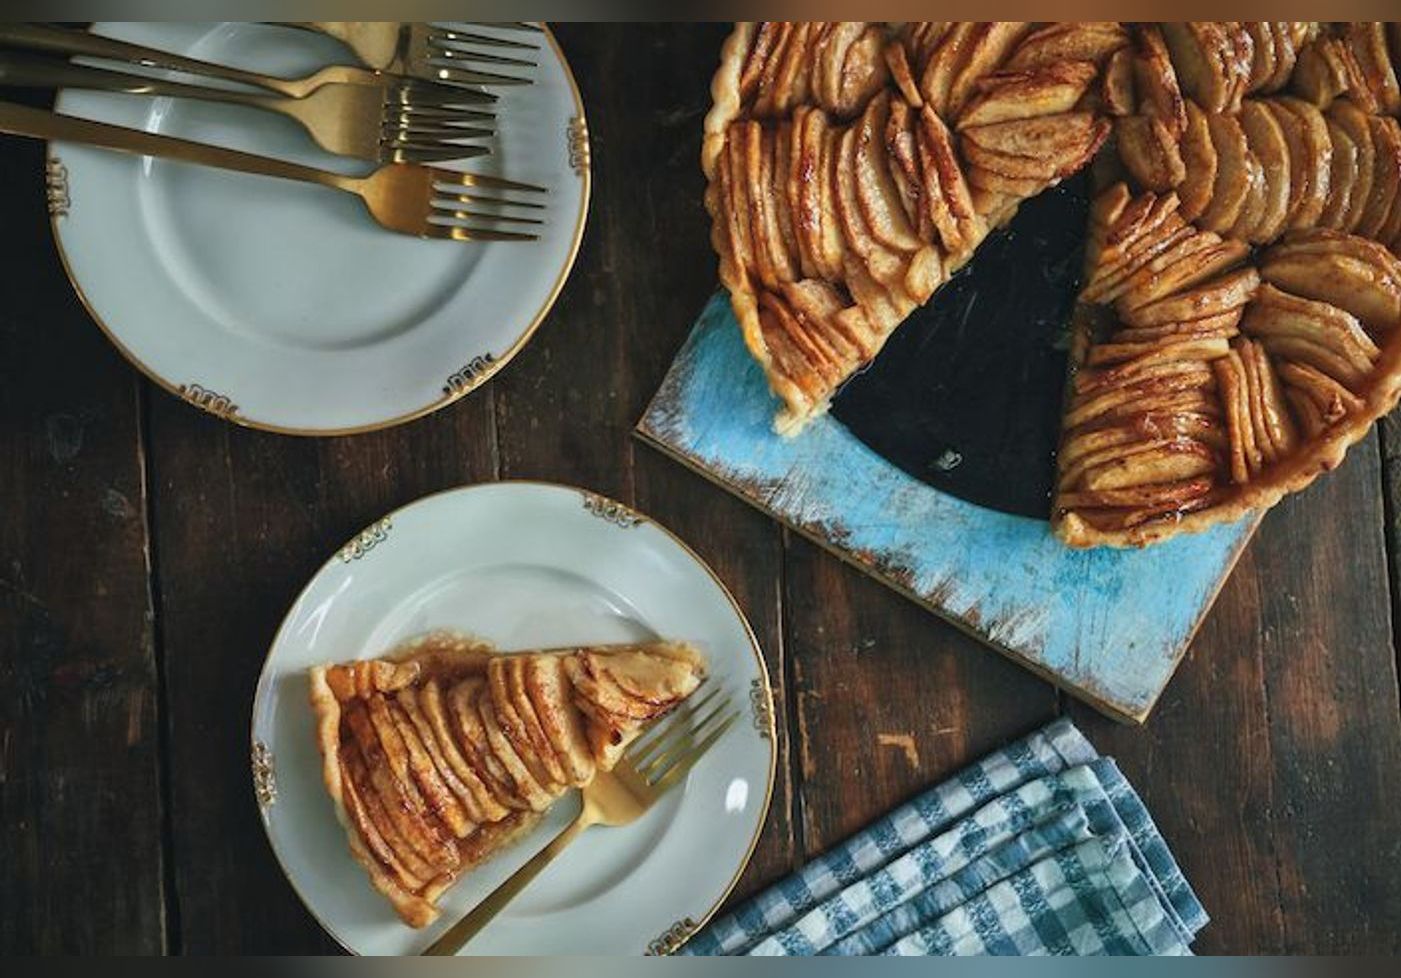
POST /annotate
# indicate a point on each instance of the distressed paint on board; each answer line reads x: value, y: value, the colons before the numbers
x: 1107, y: 625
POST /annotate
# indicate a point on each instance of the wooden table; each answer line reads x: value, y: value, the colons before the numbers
x: 148, y: 552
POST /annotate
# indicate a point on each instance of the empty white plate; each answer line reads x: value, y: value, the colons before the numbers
x: 282, y: 305
x: 522, y: 565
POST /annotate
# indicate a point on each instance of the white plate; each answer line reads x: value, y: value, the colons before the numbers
x: 284, y: 306
x: 523, y: 565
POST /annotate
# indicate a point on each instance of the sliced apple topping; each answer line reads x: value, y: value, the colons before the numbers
x: 1326, y: 69
x: 1367, y: 42
x: 1213, y: 61
x: 1156, y: 85
x: 1068, y: 41
x: 1150, y: 152
x: 1266, y: 139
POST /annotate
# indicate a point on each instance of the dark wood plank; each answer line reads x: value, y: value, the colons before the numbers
x: 80, y: 801
x: 1269, y: 758
x: 886, y: 698
x: 1390, y: 434
x: 567, y: 408
x: 242, y: 520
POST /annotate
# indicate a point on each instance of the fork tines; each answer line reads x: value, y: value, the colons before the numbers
x: 458, y: 202
x: 450, y: 55
x: 664, y: 756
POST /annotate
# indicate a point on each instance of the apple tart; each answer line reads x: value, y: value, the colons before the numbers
x: 1235, y: 329
x: 441, y: 755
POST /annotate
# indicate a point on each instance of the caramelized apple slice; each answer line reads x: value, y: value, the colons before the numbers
x: 1138, y: 504
x: 1156, y: 83
x: 898, y: 62
x: 830, y: 59
x: 988, y: 48
x: 1262, y: 65
x: 1285, y: 44
x: 1342, y: 178
x: 1206, y: 62
x: 943, y: 65
x: 1352, y: 274
x: 386, y: 768
x: 885, y: 266
x: 1354, y: 122
x: 1367, y: 41
x: 462, y: 703
x: 1275, y: 312
x: 946, y: 191
x: 1332, y: 400
x: 1321, y: 73
x: 1267, y: 143
x: 430, y: 701
x: 1131, y: 358
x: 1278, y: 425
x: 1204, y: 262
x: 1140, y: 397
x: 863, y: 72
x: 1317, y: 161
x: 831, y: 250
x: 1006, y: 96
x: 1232, y: 183
x: 1169, y: 461
x: 1116, y: 88
x: 547, y: 686
x: 876, y: 193
x: 1224, y: 294
x: 1199, y: 164
x: 817, y: 307
x: 1150, y: 152
x: 768, y: 84
x: 518, y: 721
x: 792, y: 81
x: 1386, y: 170
x: 1223, y: 325
x: 1245, y: 457
x: 1066, y: 41
x: 439, y: 797
x: 737, y: 233
x: 903, y: 154
x: 536, y: 796
x: 767, y: 37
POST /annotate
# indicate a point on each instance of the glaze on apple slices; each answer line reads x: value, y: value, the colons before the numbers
x: 438, y: 758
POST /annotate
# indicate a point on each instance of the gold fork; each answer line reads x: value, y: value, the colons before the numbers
x: 425, y: 201
x: 650, y: 767
x: 381, y: 119
x: 429, y: 51
x: 349, y: 120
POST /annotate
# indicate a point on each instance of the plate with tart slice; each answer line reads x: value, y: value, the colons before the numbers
x: 448, y: 679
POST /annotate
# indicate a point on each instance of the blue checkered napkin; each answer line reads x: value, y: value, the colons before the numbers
x: 1041, y: 848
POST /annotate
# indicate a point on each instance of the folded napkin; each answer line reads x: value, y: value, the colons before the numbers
x: 1041, y: 848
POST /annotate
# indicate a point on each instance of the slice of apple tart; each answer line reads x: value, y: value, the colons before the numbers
x: 439, y: 756
x: 1204, y: 385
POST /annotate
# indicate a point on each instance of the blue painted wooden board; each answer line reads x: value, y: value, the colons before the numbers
x: 1107, y: 625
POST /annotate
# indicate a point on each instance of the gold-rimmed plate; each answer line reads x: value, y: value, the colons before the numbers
x: 282, y: 306
x: 522, y: 565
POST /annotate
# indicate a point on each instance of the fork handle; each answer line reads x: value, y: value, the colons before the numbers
x: 483, y: 913
x: 370, y: 43
x: 20, y: 70
x: 21, y: 120
x: 67, y: 41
